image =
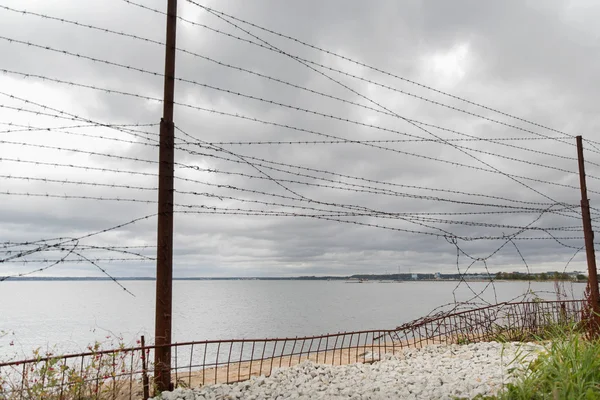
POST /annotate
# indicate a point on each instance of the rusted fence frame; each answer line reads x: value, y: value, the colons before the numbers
x: 444, y: 328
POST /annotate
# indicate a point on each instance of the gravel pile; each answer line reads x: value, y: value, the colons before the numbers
x: 433, y: 372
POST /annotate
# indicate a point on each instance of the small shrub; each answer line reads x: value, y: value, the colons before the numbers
x: 96, y: 376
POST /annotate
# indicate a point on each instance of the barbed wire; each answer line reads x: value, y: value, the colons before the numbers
x: 350, y: 141
x: 22, y: 274
x: 124, y: 128
x: 66, y: 244
x: 76, y: 197
x: 515, y: 211
x: 470, y: 149
x: 21, y: 254
x: 37, y: 112
x: 70, y: 251
x: 483, y: 260
x: 295, y: 40
x: 377, y: 214
x: 429, y: 158
x: 194, y: 23
x: 377, y: 104
x: 369, y: 143
x: 496, y: 141
x: 373, y: 213
x: 77, y: 166
x: 299, y: 129
x: 347, y: 141
x: 460, y: 148
x: 262, y: 212
x: 82, y: 246
x: 86, y: 135
x: 30, y: 128
x: 79, y: 183
x: 411, y: 221
x: 74, y: 150
x: 103, y: 169
x: 413, y: 196
x: 354, y: 187
x: 403, y: 217
x: 253, y: 158
x: 331, y: 216
x: 162, y: 44
x: 70, y: 116
x: 459, y: 164
x: 94, y: 198
x: 103, y: 270
x: 477, y: 168
x: 65, y: 261
x: 261, y: 162
x: 252, y: 165
x: 592, y: 144
x: 216, y: 210
x: 358, y: 187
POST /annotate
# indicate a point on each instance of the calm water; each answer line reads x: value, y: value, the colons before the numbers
x: 67, y: 316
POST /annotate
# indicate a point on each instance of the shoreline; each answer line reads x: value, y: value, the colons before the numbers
x: 302, y: 279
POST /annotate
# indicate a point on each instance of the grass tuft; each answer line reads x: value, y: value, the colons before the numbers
x: 569, y: 368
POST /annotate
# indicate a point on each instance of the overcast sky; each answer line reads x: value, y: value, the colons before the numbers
x: 413, y: 185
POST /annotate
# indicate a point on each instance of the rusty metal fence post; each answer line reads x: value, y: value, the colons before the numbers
x: 164, y: 251
x: 145, y: 381
x: 588, y: 234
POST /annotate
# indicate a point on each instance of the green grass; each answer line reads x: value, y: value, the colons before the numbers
x: 568, y: 369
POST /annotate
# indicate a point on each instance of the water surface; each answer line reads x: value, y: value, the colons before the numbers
x: 67, y: 316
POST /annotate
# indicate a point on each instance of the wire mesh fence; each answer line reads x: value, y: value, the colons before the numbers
x: 125, y: 373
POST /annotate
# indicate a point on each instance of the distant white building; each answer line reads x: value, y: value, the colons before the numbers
x: 415, y: 277
x: 437, y: 275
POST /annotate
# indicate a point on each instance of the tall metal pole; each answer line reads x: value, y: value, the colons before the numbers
x: 588, y: 234
x: 164, y: 251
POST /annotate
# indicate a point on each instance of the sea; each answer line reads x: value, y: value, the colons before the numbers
x: 67, y: 316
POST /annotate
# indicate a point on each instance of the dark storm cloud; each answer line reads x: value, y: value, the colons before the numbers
x: 537, y: 60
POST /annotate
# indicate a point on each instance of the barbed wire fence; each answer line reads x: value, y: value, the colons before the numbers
x: 319, y: 150
x: 216, y: 149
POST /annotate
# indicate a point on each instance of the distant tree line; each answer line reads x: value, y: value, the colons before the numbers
x: 544, y: 276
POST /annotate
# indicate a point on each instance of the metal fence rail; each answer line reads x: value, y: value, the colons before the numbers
x: 124, y: 373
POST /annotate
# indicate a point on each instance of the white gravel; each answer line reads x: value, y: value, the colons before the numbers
x: 433, y: 372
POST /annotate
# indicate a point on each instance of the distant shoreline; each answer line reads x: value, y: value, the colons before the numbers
x: 330, y: 278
